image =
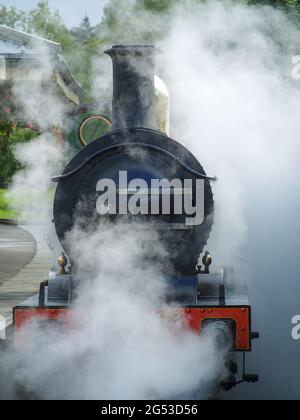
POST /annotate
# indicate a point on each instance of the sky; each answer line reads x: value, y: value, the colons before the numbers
x: 72, y: 11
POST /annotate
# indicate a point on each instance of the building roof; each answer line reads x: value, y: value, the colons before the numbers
x: 18, y: 45
x: 13, y: 41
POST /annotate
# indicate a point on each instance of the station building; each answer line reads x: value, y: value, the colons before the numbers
x: 32, y: 64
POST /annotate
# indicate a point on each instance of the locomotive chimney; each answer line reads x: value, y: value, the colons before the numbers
x: 133, y: 86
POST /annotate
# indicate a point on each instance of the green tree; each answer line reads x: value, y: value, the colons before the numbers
x: 13, y: 18
x: 157, y: 6
x: 288, y: 5
x: 84, y: 32
x: 10, y: 136
x: 89, y: 45
x: 48, y: 24
x: 123, y: 21
x: 41, y: 21
x: 127, y: 22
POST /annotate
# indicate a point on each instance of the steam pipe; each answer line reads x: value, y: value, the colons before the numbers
x: 133, y: 102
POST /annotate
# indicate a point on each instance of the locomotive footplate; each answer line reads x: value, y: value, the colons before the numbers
x: 195, y: 316
x: 30, y: 310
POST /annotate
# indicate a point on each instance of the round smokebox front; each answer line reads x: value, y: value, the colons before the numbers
x: 138, y: 181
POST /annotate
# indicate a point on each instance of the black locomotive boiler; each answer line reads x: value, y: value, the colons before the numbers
x: 166, y: 170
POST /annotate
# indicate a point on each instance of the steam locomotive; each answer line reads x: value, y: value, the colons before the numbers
x: 171, y: 178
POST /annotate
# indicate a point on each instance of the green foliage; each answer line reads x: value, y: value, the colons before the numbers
x: 89, y: 46
x: 288, y: 5
x: 135, y: 21
x: 123, y: 21
x: 13, y: 18
x: 10, y: 136
x: 79, y: 45
x: 40, y: 21
x: 49, y: 25
x: 157, y: 6
x: 3, y: 202
x: 5, y: 211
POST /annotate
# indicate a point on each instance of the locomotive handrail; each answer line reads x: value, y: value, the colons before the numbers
x: 116, y: 146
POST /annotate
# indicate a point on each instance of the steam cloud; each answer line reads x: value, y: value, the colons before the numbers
x: 30, y: 194
x: 119, y: 345
x: 31, y: 191
x: 236, y: 107
x: 235, y: 104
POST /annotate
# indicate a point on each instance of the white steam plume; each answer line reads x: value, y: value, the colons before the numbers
x: 39, y: 101
x: 119, y: 347
x: 31, y: 193
x: 235, y: 105
x: 125, y: 348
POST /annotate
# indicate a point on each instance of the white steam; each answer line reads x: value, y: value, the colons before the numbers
x: 40, y: 100
x: 119, y: 344
x: 235, y: 104
x: 31, y: 193
x: 236, y: 107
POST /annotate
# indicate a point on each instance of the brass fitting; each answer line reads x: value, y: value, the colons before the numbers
x: 62, y: 262
x: 207, y: 262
